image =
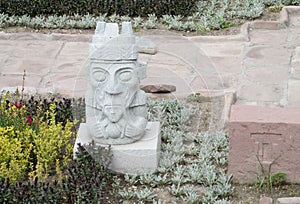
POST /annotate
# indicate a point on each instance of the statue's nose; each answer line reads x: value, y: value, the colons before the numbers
x: 112, y: 88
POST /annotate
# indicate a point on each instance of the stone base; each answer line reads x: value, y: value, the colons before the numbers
x: 138, y: 157
x: 264, y: 136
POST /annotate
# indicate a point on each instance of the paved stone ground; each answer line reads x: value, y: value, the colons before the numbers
x: 262, y: 63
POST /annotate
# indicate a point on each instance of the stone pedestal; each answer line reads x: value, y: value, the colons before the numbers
x: 264, y: 136
x: 138, y: 157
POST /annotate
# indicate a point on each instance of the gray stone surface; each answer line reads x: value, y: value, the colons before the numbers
x: 291, y: 200
x: 139, y: 157
x: 115, y: 106
x: 265, y: 55
x: 146, y: 46
x: 265, y: 200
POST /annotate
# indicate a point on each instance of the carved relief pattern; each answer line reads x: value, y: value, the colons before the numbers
x: 115, y: 106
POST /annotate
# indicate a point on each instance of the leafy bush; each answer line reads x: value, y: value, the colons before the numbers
x: 82, y: 7
x: 204, y: 15
x: 33, y: 142
x: 84, y: 182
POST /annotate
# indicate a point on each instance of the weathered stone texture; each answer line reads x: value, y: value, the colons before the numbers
x: 290, y: 200
x: 158, y: 88
x: 270, y: 136
x: 266, y: 200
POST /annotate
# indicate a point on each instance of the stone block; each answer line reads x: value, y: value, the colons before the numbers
x: 265, y: 200
x: 290, y: 200
x: 146, y: 46
x: 293, y: 92
x: 158, y: 88
x: 138, y: 157
x: 266, y: 136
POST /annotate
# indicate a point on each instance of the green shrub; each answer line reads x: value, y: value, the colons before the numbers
x: 84, y: 182
x: 32, y: 141
x: 82, y: 7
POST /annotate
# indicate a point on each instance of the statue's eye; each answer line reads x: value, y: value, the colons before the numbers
x: 125, y: 75
x: 100, y: 75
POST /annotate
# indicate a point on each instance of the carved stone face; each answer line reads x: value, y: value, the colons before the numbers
x: 115, y: 86
x: 115, y: 106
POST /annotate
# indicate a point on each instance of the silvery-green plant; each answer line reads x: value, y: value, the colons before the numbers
x: 224, y: 184
x: 125, y: 18
x: 76, y: 16
x: 127, y: 194
x: 192, y: 149
x: 195, y: 174
x: 179, y: 175
x: 145, y: 194
x: 37, y: 22
x: 50, y: 22
x: 162, y: 179
x: 131, y: 179
x: 209, y: 195
x: 101, y: 17
x: 251, y: 9
x: 189, y: 137
x: 151, y: 22
x: 61, y: 21
x: 115, y: 18
x: 72, y: 23
x: 12, y: 20
x: 148, y: 178
x: 214, y: 146
x: 3, y: 19
x: 173, y: 22
x: 159, y: 201
x: 24, y: 20
x: 176, y: 190
x: 116, y: 182
x: 212, y: 194
x: 223, y: 201
x: 170, y: 134
x: 190, y: 195
x: 190, y: 26
x: 88, y: 21
x: 169, y: 159
x: 137, y: 22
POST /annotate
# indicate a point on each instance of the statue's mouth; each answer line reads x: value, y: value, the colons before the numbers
x: 113, y: 112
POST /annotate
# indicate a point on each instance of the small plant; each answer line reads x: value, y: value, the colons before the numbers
x: 276, y: 8
x: 191, y: 196
x: 151, y: 22
x: 137, y: 23
x: 127, y: 194
x: 145, y: 194
x: 265, y: 178
x: 278, y: 179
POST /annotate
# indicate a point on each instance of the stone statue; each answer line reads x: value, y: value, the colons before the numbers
x: 115, y: 105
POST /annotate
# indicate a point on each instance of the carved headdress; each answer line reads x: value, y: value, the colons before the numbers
x: 115, y: 106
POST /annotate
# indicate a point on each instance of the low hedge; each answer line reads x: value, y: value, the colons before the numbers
x: 122, y: 7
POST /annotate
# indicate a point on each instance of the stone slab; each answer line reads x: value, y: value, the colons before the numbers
x: 254, y: 92
x: 268, y: 75
x: 264, y: 135
x: 74, y: 50
x: 296, y: 55
x: 290, y: 200
x: 139, y: 157
x: 293, y: 92
x: 44, y: 49
x: 268, y: 54
x: 222, y: 49
x: 265, y: 200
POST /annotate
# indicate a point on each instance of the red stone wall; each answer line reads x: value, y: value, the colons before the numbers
x: 270, y: 136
